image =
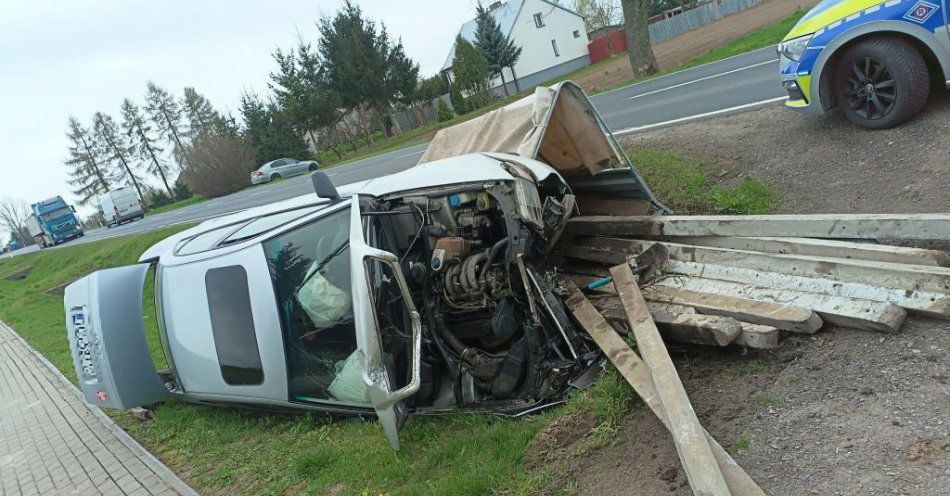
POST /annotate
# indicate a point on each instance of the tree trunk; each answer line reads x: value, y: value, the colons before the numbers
x: 95, y: 165
x: 636, y: 17
x: 128, y: 169
x: 515, y: 78
x: 364, y: 124
x: 158, y: 166
x: 504, y: 85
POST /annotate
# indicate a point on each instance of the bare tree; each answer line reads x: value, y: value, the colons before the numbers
x: 13, y: 214
x: 116, y: 149
x: 636, y: 16
x: 599, y: 13
x: 217, y: 165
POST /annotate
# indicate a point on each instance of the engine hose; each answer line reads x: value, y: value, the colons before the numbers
x: 492, y: 255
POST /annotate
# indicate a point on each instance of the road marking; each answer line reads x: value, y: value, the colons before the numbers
x: 411, y: 154
x: 771, y: 47
x: 699, y: 116
x: 703, y: 79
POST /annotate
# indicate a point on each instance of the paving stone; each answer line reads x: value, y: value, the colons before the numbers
x: 51, y: 442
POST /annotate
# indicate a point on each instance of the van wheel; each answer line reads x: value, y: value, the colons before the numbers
x: 881, y: 82
x: 274, y: 177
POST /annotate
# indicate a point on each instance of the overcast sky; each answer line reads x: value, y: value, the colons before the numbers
x: 60, y: 58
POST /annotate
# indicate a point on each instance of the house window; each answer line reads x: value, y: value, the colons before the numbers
x: 538, y: 20
x: 577, y: 33
x: 554, y: 46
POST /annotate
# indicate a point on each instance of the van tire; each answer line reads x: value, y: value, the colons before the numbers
x: 881, y: 82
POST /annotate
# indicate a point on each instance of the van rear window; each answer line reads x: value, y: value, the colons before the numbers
x: 232, y: 325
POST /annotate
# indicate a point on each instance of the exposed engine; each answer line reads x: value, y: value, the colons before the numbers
x: 493, y: 329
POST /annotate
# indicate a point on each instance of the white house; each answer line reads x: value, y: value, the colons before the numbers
x: 552, y: 38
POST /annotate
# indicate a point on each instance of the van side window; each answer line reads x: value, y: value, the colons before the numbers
x: 232, y: 325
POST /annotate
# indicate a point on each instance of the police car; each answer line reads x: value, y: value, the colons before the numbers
x: 876, y: 60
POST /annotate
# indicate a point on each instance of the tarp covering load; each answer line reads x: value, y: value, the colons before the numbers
x: 558, y: 126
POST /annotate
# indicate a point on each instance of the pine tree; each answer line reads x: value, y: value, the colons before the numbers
x: 116, y: 149
x: 144, y: 145
x: 499, y: 50
x: 165, y: 113
x: 471, y: 72
x: 458, y: 101
x: 86, y: 173
x: 201, y: 116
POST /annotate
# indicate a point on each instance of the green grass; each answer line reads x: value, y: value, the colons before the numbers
x: 762, y: 38
x: 237, y: 451
x: 178, y: 204
x: 687, y: 186
x: 767, y: 399
x: 741, y: 444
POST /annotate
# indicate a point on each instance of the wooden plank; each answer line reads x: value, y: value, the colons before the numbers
x: 889, y: 275
x: 785, y: 317
x: 638, y: 376
x: 927, y: 303
x: 822, y: 248
x: 837, y: 226
x: 694, y: 328
x: 757, y: 336
x: 694, y: 451
x: 845, y: 312
x: 611, y: 206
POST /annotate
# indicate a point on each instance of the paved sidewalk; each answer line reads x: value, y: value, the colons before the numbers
x: 51, y: 442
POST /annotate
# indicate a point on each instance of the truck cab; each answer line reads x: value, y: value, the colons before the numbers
x: 53, y: 222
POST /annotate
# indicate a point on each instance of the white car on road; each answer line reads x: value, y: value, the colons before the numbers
x: 282, y: 167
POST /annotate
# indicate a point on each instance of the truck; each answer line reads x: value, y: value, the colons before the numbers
x: 121, y: 205
x: 52, y: 222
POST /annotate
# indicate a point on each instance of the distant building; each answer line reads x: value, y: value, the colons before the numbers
x: 552, y: 38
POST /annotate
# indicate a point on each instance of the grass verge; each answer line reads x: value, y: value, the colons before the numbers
x: 688, y: 186
x: 230, y: 451
x: 175, y: 206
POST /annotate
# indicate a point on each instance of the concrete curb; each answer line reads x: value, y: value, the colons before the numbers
x: 163, y: 472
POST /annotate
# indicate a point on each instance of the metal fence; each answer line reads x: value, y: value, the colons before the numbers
x: 699, y: 16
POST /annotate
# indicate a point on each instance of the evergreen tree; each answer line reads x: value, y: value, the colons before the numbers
x: 471, y: 72
x: 444, y: 113
x: 499, y: 50
x: 458, y: 101
x: 165, y: 113
x: 201, y: 116
x: 87, y: 175
x: 116, y: 149
x: 301, y: 92
x: 144, y: 145
x: 269, y: 131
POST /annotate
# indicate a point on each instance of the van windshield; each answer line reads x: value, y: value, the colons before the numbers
x: 310, y: 269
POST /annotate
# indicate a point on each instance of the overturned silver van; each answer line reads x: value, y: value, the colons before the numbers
x: 425, y: 291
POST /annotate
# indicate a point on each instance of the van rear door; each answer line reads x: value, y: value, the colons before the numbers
x: 107, y: 339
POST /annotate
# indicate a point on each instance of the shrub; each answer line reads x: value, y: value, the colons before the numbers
x: 217, y: 165
x: 158, y: 198
x: 182, y: 191
x: 443, y: 113
x: 458, y: 101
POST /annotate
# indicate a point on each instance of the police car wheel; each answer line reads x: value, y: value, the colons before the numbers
x: 881, y: 82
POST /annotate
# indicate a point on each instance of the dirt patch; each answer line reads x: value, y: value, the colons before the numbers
x: 673, y: 52
x: 552, y: 441
x: 18, y: 275
x: 825, y: 164
x: 842, y: 412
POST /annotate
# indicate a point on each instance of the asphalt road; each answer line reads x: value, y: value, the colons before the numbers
x: 729, y: 85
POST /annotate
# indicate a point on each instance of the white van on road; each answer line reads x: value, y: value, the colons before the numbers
x: 121, y: 205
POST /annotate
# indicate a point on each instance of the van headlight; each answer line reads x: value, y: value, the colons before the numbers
x: 794, y: 48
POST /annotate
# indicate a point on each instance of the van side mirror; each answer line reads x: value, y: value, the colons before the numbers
x: 323, y: 187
